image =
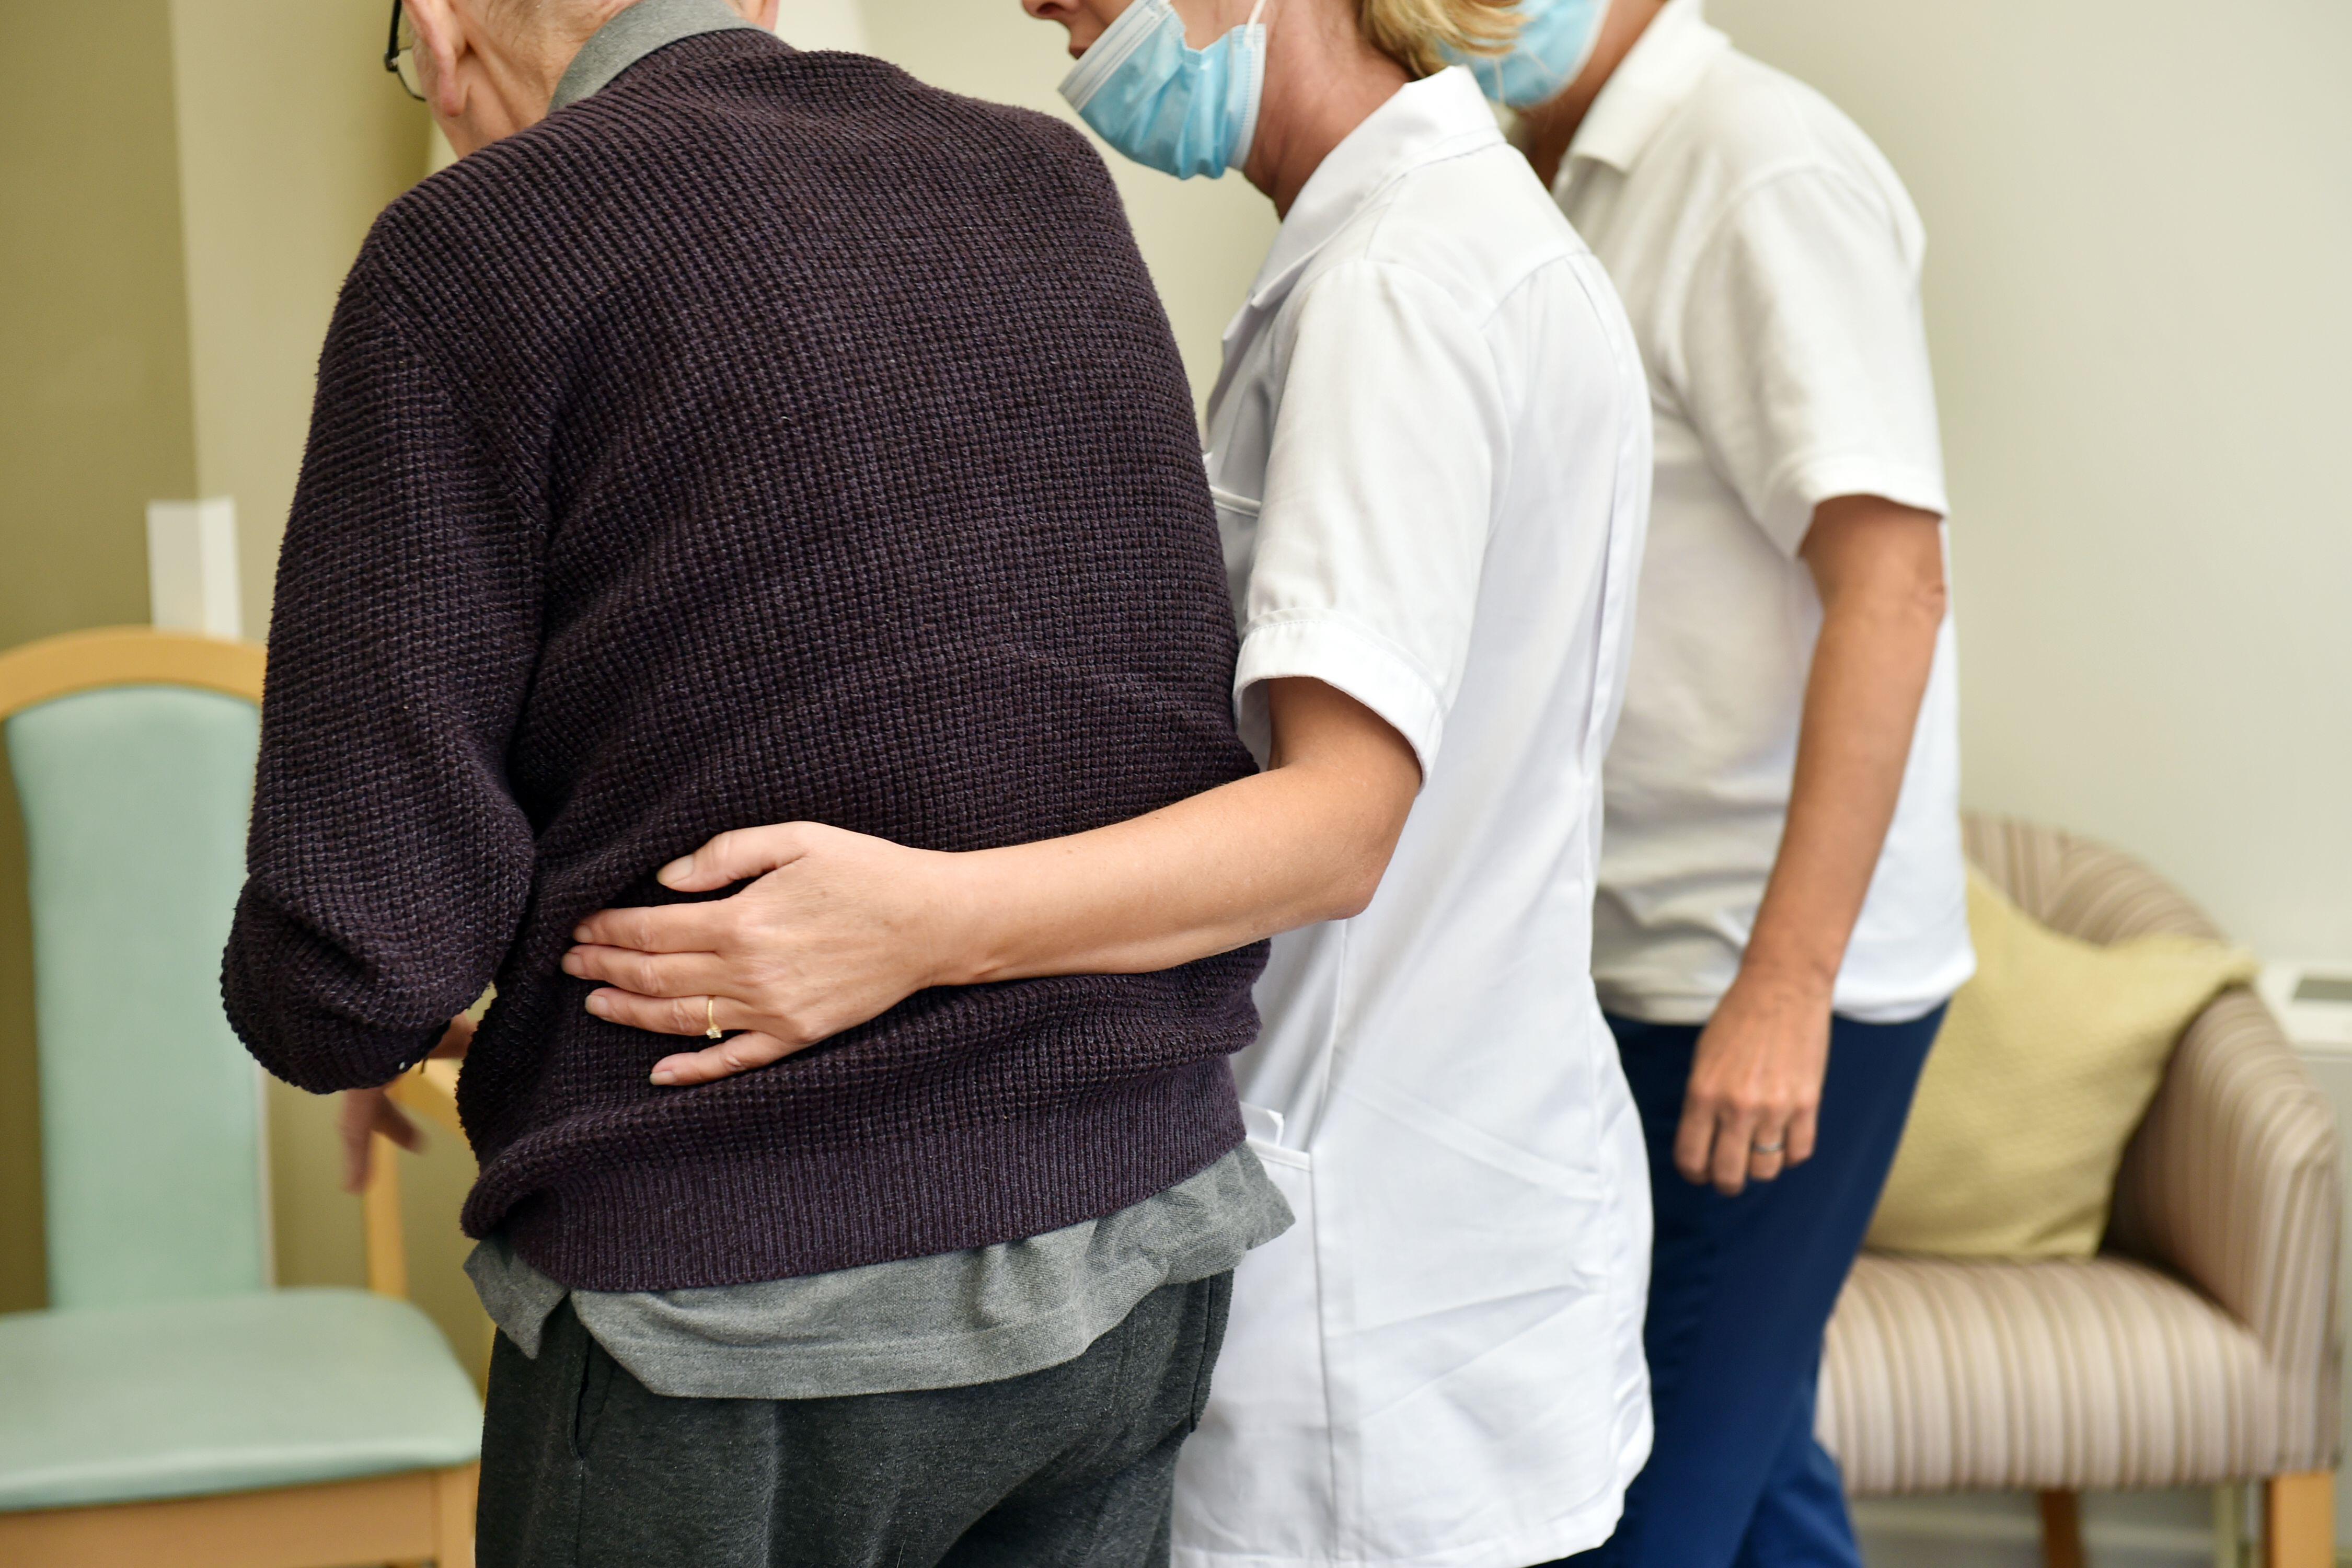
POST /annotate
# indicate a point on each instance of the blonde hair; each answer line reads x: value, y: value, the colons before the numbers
x: 1419, y: 34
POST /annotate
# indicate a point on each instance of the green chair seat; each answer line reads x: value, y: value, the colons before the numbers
x: 236, y: 1394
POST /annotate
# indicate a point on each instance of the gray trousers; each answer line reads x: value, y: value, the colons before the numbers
x: 1068, y: 1467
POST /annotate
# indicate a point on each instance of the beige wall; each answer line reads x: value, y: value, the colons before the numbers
x: 94, y: 408
x: 2138, y: 213
x: 291, y: 138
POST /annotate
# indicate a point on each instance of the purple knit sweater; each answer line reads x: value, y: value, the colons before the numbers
x: 767, y: 437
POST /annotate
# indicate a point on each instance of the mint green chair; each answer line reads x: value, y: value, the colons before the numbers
x: 170, y: 1406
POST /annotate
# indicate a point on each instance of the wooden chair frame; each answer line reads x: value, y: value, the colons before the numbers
x: 2298, y: 1523
x: 414, y: 1517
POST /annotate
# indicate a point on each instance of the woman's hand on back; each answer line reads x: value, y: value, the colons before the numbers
x: 840, y: 927
x: 834, y: 929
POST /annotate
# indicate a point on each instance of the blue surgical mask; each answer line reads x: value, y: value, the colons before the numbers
x: 1179, y: 110
x: 1556, y: 37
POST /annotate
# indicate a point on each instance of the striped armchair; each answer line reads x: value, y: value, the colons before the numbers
x: 2199, y: 1347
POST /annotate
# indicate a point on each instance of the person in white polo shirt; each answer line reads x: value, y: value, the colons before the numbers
x: 1781, y: 914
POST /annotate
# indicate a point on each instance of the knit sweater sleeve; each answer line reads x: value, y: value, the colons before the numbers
x: 389, y: 864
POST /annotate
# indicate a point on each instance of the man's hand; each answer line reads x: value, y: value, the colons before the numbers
x: 364, y: 1113
x: 838, y: 928
x: 1755, y: 1093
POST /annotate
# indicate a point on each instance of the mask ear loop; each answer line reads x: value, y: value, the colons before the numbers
x: 1592, y: 48
x: 1257, y: 90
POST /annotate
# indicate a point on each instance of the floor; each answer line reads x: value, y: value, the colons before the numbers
x: 2142, y: 1529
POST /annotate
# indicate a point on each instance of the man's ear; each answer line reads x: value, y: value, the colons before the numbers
x: 441, y: 42
x: 758, y: 12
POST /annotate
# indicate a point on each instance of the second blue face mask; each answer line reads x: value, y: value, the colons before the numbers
x: 1556, y: 37
x: 1169, y: 106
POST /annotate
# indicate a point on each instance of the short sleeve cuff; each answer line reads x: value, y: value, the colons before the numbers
x: 1804, y: 483
x: 1346, y: 656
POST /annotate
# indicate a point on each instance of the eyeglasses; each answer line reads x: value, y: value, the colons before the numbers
x: 400, y: 52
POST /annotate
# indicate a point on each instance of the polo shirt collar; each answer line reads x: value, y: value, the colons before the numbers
x: 1656, y: 75
x: 1426, y: 122
x: 629, y: 35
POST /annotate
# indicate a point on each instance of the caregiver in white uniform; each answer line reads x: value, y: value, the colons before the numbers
x: 1428, y: 450
x: 1430, y: 454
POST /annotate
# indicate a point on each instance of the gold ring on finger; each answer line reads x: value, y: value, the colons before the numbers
x: 711, y: 1031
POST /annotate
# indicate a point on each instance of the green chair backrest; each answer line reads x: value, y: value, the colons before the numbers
x: 135, y: 800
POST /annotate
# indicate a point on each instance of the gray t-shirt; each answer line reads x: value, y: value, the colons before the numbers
x: 942, y: 1321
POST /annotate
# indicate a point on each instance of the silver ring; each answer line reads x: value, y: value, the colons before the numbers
x: 1768, y: 1148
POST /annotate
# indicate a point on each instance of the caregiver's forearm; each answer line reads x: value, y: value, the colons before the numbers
x: 834, y: 928
x: 1879, y: 571
x: 1306, y: 840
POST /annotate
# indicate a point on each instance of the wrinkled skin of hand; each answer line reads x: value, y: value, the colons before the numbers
x: 364, y: 1113
x: 834, y: 928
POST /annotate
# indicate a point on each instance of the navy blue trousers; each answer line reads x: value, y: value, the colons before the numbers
x: 1740, y: 1292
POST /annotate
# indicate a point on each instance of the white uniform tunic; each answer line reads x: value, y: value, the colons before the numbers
x: 1770, y: 260
x: 1431, y: 453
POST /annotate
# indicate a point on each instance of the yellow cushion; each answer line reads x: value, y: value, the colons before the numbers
x: 2046, y: 1064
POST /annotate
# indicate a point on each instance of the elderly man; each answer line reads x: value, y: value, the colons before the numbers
x: 700, y: 450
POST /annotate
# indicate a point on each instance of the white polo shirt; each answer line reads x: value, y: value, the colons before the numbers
x: 1430, y: 451
x: 1770, y: 259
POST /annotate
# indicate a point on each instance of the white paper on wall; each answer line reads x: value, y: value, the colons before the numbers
x: 192, y: 583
